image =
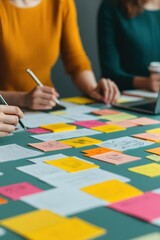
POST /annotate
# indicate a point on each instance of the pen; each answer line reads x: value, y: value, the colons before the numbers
x: 5, y: 103
x: 38, y: 82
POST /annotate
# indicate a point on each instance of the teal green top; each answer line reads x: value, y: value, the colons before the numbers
x: 127, y: 45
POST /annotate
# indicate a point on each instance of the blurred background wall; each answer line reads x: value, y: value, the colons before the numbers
x: 87, y: 17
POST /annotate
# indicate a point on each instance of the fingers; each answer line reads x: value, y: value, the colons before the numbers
x: 11, y: 110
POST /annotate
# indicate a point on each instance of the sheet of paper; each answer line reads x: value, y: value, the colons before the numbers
x: 124, y: 98
x: 82, y: 179
x: 39, y: 170
x: 124, y: 123
x: 2, y: 232
x: 154, y: 150
x: 70, y: 134
x: 48, y: 157
x: 154, y: 130
x: 125, y: 143
x: 149, y: 236
x: 32, y: 221
x: 148, y: 136
x: 49, y: 145
x: 109, y: 128
x: 38, y: 130
x: 15, y: 152
x: 153, y: 157
x: 35, y: 120
x: 150, y: 170
x: 79, y: 100
x: 145, y: 207
x: 144, y: 121
x: 95, y: 151
x: 59, y: 127
x: 79, y: 117
x: 73, y: 228
x: 105, y: 112
x: 71, y: 164
x: 18, y: 190
x: 112, y: 191
x: 81, y: 109
x: 115, y: 158
x: 81, y: 142
x: 118, y: 117
x: 64, y: 201
x: 89, y: 124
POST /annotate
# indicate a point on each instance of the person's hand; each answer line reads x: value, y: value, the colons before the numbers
x: 106, y: 91
x: 9, y: 117
x: 41, y: 98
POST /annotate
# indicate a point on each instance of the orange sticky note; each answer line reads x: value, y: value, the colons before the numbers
x: 95, y: 151
x: 154, y: 150
x: 3, y: 200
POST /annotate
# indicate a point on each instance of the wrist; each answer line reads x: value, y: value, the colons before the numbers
x: 140, y: 82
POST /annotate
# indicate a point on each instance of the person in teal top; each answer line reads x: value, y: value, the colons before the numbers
x: 129, y: 40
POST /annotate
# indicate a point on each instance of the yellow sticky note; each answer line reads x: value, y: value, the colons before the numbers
x: 118, y: 117
x: 72, y: 229
x: 153, y: 157
x: 150, y: 170
x: 71, y: 164
x: 154, y: 150
x: 58, y: 127
x: 109, y: 128
x: 79, y: 100
x: 154, y: 130
x: 112, y: 191
x: 31, y: 221
x: 81, y: 142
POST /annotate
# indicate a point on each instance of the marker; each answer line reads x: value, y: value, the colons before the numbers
x: 5, y: 103
x: 34, y: 77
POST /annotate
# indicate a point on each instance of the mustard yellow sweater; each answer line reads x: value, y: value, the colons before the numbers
x: 34, y: 38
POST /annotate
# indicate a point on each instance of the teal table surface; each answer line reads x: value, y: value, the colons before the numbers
x: 118, y: 225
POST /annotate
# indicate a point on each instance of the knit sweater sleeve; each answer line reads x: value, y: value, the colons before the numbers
x: 110, y: 59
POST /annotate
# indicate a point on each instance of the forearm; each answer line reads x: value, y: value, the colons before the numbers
x: 85, y: 81
x: 15, y: 98
x: 140, y: 82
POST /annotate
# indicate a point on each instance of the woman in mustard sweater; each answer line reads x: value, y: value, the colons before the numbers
x: 129, y: 40
x: 33, y: 33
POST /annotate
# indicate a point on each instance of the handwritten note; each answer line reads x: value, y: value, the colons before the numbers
x: 81, y: 142
x: 18, y: 190
x: 150, y: 170
x: 95, y: 151
x: 112, y: 191
x: 71, y: 164
x: 49, y: 145
x: 115, y: 158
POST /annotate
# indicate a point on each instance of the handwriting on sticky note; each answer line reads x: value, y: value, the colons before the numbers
x: 109, y: 128
x: 81, y: 142
x: 49, y: 145
x: 95, y: 151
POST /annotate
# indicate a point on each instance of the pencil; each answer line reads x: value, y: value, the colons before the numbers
x: 3, y: 101
x: 34, y: 77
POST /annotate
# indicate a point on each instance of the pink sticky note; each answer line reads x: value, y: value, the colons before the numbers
x: 144, y: 121
x: 50, y: 145
x: 105, y: 112
x: 115, y: 157
x: 155, y: 137
x: 125, y: 124
x: 145, y: 207
x: 38, y: 130
x: 89, y: 123
x: 18, y: 190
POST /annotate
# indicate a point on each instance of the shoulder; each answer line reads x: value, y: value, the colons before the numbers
x: 110, y: 6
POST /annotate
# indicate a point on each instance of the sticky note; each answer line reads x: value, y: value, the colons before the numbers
x: 95, y: 151
x: 3, y: 200
x: 145, y: 207
x: 71, y: 164
x: 154, y: 150
x: 150, y: 170
x: 18, y: 190
x: 38, y: 130
x: 153, y: 157
x: 31, y: 221
x: 124, y: 123
x: 112, y: 191
x: 59, y: 127
x: 148, y: 136
x: 105, y: 112
x: 144, y: 121
x: 50, y: 145
x: 150, y: 236
x: 81, y: 142
x: 115, y: 157
x: 154, y: 130
x: 89, y: 123
x: 109, y: 128
x: 118, y: 117
x: 73, y: 228
x: 79, y: 100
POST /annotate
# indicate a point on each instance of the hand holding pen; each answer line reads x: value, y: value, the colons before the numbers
x: 41, y: 97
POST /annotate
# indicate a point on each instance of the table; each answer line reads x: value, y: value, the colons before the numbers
x: 119, y: 226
